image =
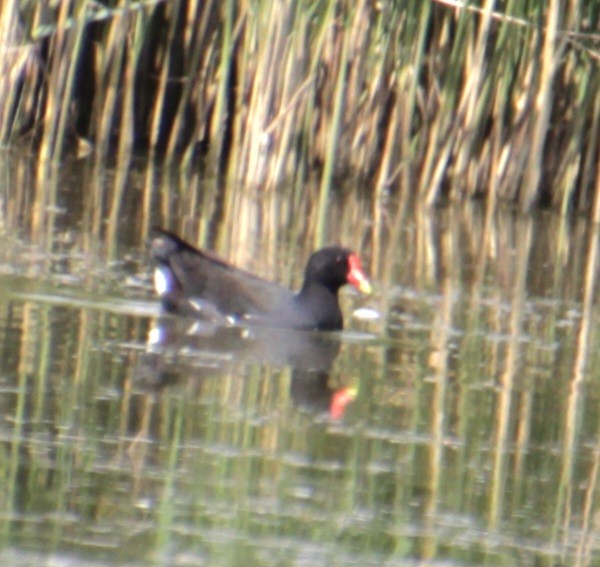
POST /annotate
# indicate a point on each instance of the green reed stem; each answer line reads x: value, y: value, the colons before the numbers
x: 333, y: 141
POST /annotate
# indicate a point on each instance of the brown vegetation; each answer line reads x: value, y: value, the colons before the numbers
x: 427, y: 99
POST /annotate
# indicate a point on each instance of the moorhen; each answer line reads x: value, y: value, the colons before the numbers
x: 195, y: 283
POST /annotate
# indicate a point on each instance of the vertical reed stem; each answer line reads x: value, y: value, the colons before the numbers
x: 334, y: 137
x: 543, y: 107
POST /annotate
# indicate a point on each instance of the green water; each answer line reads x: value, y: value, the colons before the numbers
x: 460, y: 428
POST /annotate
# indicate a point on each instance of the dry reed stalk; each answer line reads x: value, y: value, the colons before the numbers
x: 9, y: 62
x: 551, y: 54
x: 224, y: 74
x: 596, y: 203
x: 334, y: 134
x: 358, y: 129
x: 573, y: 149
x: 391, y: 161
x: 18, y: 63
x: 408, y: 84
x: 590, y: 162
x: 112, y: 60
x: 470, y: 107
x: 299, y: 78
x: 271, y: 51
x: 441, y: 134
x: 169, y: 58
x: 58, y: 93
x: 127, y: 130
x: 500, y: 107
x: 199, y: 45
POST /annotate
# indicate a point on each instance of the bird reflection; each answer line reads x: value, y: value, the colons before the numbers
x: 180, y: 349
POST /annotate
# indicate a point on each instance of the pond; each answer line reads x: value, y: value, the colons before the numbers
x: 461, y: 426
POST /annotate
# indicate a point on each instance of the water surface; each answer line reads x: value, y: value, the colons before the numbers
x: 459, y: 428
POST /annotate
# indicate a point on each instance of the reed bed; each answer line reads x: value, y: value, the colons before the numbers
x: 431, y: 100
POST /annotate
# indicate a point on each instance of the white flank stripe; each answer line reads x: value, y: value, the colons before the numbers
x: 162, y: 280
